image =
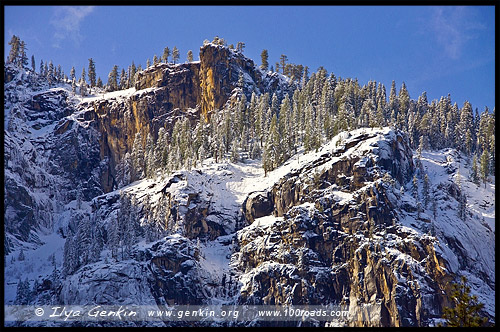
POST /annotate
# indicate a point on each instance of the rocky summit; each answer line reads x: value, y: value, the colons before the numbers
x: 338, y: 224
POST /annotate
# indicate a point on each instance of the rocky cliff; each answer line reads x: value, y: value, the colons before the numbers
x: 333, y: 235
x: 336, y: 226
x: 166, y: 92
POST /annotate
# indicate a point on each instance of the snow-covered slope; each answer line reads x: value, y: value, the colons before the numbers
x: 337, y: 225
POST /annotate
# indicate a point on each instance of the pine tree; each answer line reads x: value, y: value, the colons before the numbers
x: 190, y: 56
x: 240, y: 46
x: 266, y: 158
x: 166, y: 54
x: 474, y: 174
x: 22, y: 292
x: 155, y: 60
x: 175, y: 54
x: 33, y: 63
x: 434, y: 207
x: 92, y: 75
x: 463, y: 134
x: 308, y: 129
x: 282, y: 63
x: 50, y: 73
x: 272, y: 146
x: 123, y: 79
x: 83, y: 87
x: 367, y: 115
x: 426, y: 191
x: 467, y: 310
x: 59, y: 74
x: 23, y: 58
x: 415, y: 187
x: 393, y: 104
x: 484, y: 168
x: 113, y: 79
x: 234, y: 152
x: 264, y: 56
x: 82, y: 78
x: 72, y: 74
x: 14, y: 50
x: 131, y: 76
x: 462, y: 199
x: 149, y: 156
x: 404, y: 99
x: 46, y: 72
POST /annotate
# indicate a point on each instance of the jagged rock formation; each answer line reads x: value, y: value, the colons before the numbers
x: 163, y: 94
x: 166, y: 92
x: 339, y: 241
x: 326, y: 227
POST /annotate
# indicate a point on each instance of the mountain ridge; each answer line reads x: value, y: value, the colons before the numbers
x: 331, y: 224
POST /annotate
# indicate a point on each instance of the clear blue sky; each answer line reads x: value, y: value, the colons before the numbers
x: 439, y: 50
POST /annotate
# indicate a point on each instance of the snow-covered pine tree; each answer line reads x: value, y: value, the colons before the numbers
x: 393, y: 106
x: 72, y: 74
x: 266, y: 158
x: 284, y: 129
x: 14, y: 43
x: 33, y: 63
x: 234, y: 152
x: 474, y: 173
x: 414, y: 191
x: 113, y: 79
x: 92, y: 74
x: 426, y: 190
x: 83, y: 87
x: 50, y: 73
x: 149, y: 160
x: 484, y: 166
x: 308, y: 129
x: 123, y: 79
x: 403, y: 102
x: 464, y: 139
x: 22, y: 292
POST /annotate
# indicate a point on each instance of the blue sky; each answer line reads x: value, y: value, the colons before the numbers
x: 439, y: 50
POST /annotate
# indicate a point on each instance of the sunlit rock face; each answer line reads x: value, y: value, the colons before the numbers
x: 334, y: 227
x: 333, y: 240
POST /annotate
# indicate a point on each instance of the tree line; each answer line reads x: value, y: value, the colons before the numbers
x: 319, y: 106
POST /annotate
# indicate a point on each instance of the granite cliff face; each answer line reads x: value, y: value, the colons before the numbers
x: 334, y: 237
x: 166, y: 92
x: 336, y: 226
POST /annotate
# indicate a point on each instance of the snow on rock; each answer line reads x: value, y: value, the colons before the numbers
x: 338, y: 225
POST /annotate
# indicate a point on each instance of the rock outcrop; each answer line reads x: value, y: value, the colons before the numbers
x: 166, y: 92
x: 335, y: 237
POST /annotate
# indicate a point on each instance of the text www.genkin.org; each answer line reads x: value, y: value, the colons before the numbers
x: 248, y: 313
